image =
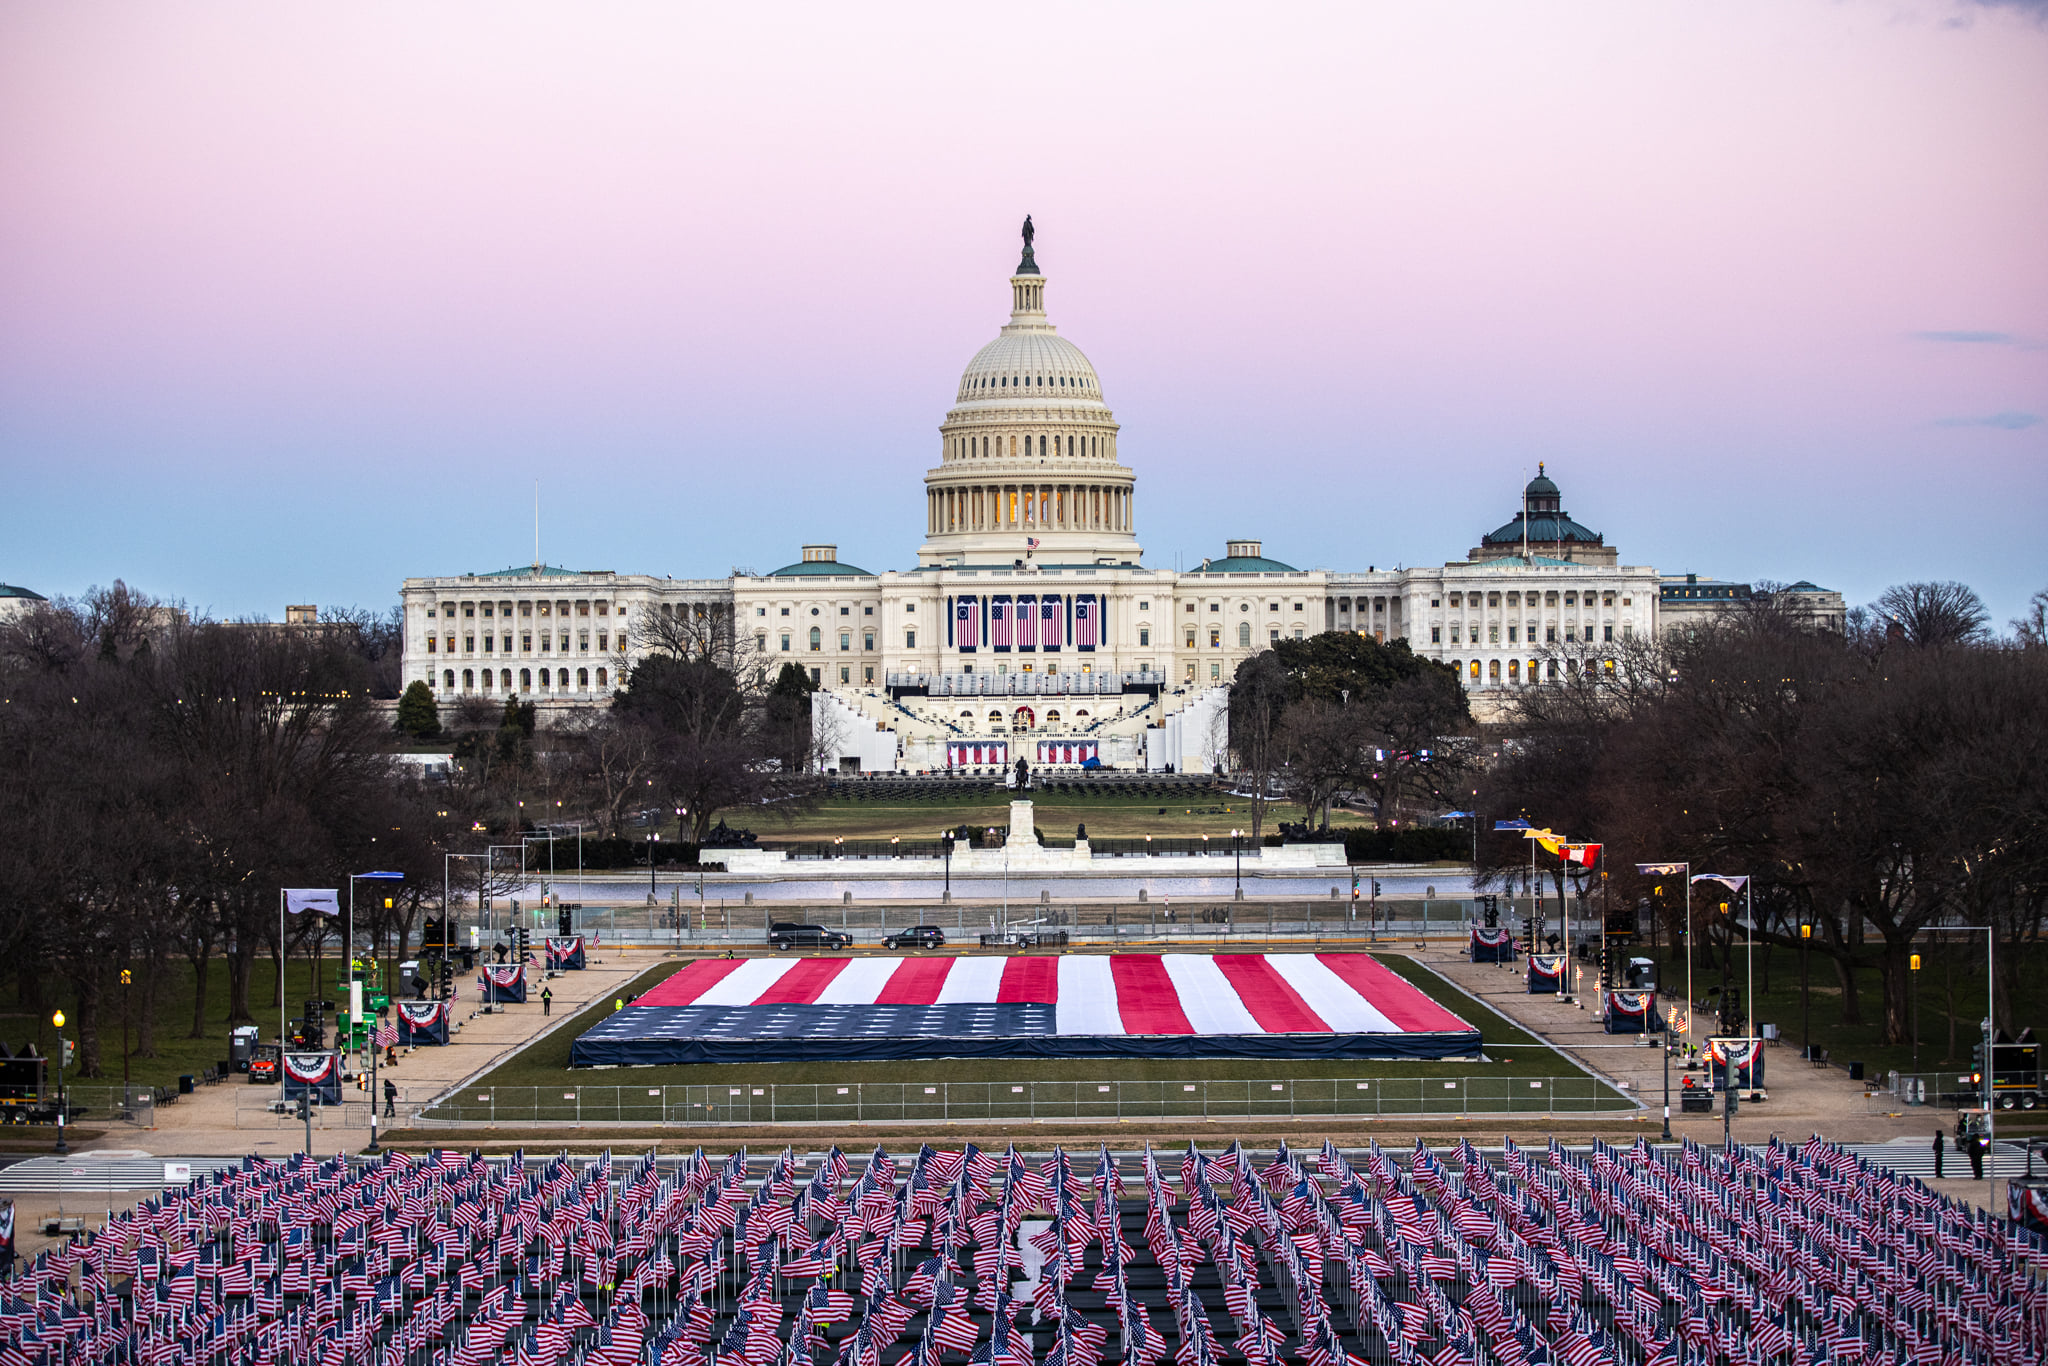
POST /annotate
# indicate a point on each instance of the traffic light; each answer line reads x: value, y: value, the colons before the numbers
x: 1375, y: 889
x: 565, y: 923
x: 447, y: 978
x: 69, y: 1050
x: 1978, y: 1064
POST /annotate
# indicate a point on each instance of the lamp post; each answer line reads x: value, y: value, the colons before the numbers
x: 349, y: 955
x: 1806, y: 1000
x: 1912, y: 966
x: 1237, y: 848
x: 653, y: 838
x: 946, y: 847
x: 57, y: 1019
x: 1666, y: 1041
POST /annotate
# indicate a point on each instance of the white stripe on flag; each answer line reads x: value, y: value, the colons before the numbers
x: 859, y: 982
x: 1206, y: 997
x: 744, y: 986
x: 1328, y: 995
x: 1088, y: 997
x: 972, y: 982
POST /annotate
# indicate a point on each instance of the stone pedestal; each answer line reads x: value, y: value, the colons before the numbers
x: 1022, y: 836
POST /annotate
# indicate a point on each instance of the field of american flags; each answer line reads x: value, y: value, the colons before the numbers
x: 1774, y: 1254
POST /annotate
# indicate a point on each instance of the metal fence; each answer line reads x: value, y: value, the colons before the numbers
x: 714, y: 921
x: 952, y: 1101
x: 1950, y: 1090
x: 94, y: 1106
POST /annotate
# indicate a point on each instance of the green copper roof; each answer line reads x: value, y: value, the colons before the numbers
x: 817, y: 568
x: 8, y: 590
x: 529, y: 571
x: 1246, y: 564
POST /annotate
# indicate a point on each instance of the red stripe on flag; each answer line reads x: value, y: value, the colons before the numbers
x: 1277, y: 1006
x: 1393, y: 995
x: 916, y: 982
x: 1031, y: 980
x: 693, y: 981
x: 801, y: 985
x: 1145, y: 995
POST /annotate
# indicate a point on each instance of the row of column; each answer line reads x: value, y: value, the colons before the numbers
x: 1021, y: 507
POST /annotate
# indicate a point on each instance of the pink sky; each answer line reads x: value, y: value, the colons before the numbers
x: 1764, y: 283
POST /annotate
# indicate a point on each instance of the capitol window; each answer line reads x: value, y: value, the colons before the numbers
x: 1144, y: 635
x: 1143, y: 606
x: 868, y: 640
x: 910, y: 642
x: 785, y: 611
x: 1215, y: 637
x: 1436, y: 635
x: 1191, y: 638
x: 867, y: 611
x: 487, y: 609
x: 1244, y: 635
x: 602, y: 637
x: 760, y: 611
x: 845, y: 643
x: 846, y: 611
x: 817, y: 638
x: 785, y: 640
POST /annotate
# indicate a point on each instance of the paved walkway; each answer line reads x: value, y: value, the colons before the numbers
x: 231, y: 1118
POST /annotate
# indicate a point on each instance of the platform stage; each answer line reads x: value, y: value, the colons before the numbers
x: 1125, y: 1005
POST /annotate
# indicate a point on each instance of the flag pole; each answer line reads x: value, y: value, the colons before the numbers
x: 281, y: 964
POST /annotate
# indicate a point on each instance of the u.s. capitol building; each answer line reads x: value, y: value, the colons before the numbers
x: 1030, y: 626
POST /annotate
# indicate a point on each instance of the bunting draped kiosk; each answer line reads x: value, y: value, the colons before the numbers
x: 314, y: 1074
x: 1628, y: 1012
x: 1492, y: 946
x: 1546, y: 974
x: 2026, y: 1202
x: 506, y: 983
x: 565, y: 955
x: 1226, y: 1005
x: 1745, y: 1057
x: 423, y: 1022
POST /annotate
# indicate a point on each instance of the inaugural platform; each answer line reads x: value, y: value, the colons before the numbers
x: 1142, y: 1005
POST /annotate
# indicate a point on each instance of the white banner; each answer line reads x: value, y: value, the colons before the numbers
x: 324, y: 900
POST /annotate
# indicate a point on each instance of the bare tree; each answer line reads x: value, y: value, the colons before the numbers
x: 2030, y: 628
x: 1935, y: 615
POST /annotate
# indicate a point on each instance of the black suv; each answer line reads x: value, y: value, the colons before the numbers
x: 784, y: 935
x: 916, y: 937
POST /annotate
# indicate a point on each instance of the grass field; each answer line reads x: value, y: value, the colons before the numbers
x: 1109, y: 816
x: 1777, y: 980
x: 537, y: 1084
x: 177, y: 1054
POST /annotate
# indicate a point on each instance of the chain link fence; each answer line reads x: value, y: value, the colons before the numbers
x: 944, y: 1102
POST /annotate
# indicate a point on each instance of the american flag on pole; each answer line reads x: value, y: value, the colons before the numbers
x: 999, y: 623
x: 387, y: 1034
x: 1050, y: 623
x: 1027, y: 623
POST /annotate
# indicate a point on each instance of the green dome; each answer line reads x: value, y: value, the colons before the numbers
x: 817, y: 568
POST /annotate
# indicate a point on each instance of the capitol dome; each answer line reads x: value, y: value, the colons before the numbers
x: 1028, y: 467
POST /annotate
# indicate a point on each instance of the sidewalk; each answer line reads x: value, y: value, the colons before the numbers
x: 204, y: 1123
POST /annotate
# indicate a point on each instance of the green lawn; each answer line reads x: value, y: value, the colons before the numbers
x: 538, y: 1085
x: 1106, y: 816
x: 176, y: 1053
x: 1778, y: 978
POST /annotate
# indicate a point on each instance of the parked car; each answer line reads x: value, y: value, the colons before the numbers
x: 916, y: 937
x: 786, y: 935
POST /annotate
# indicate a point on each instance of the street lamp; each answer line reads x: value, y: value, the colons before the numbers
x: 653, y: 838
x: 1237, y: 848
x: 58, y: 1020
x: 1913, y: 965
x: 946, y: 847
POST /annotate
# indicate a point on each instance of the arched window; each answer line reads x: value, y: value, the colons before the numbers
x: 1493, y: 670
x: 817, y: 638
x: 1475, y: 671
x: 601, y: 683
x: 545, y: 679
x: 526, y: 680
x: 505, y: 677
x: 1514, y: 671
x: 583, y: 680
x: 448, y: 679
x: 1244, y: 634
x: 488, y: 680
x: 468, y: 680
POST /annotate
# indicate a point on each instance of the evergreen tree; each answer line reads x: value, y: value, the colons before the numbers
x: 418, y: 714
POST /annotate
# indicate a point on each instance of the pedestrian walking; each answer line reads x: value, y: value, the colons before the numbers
x: 547, y: 1000
x: 390, y: 1099
x: 1940, y: 1143
x: 1979, y: 1146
